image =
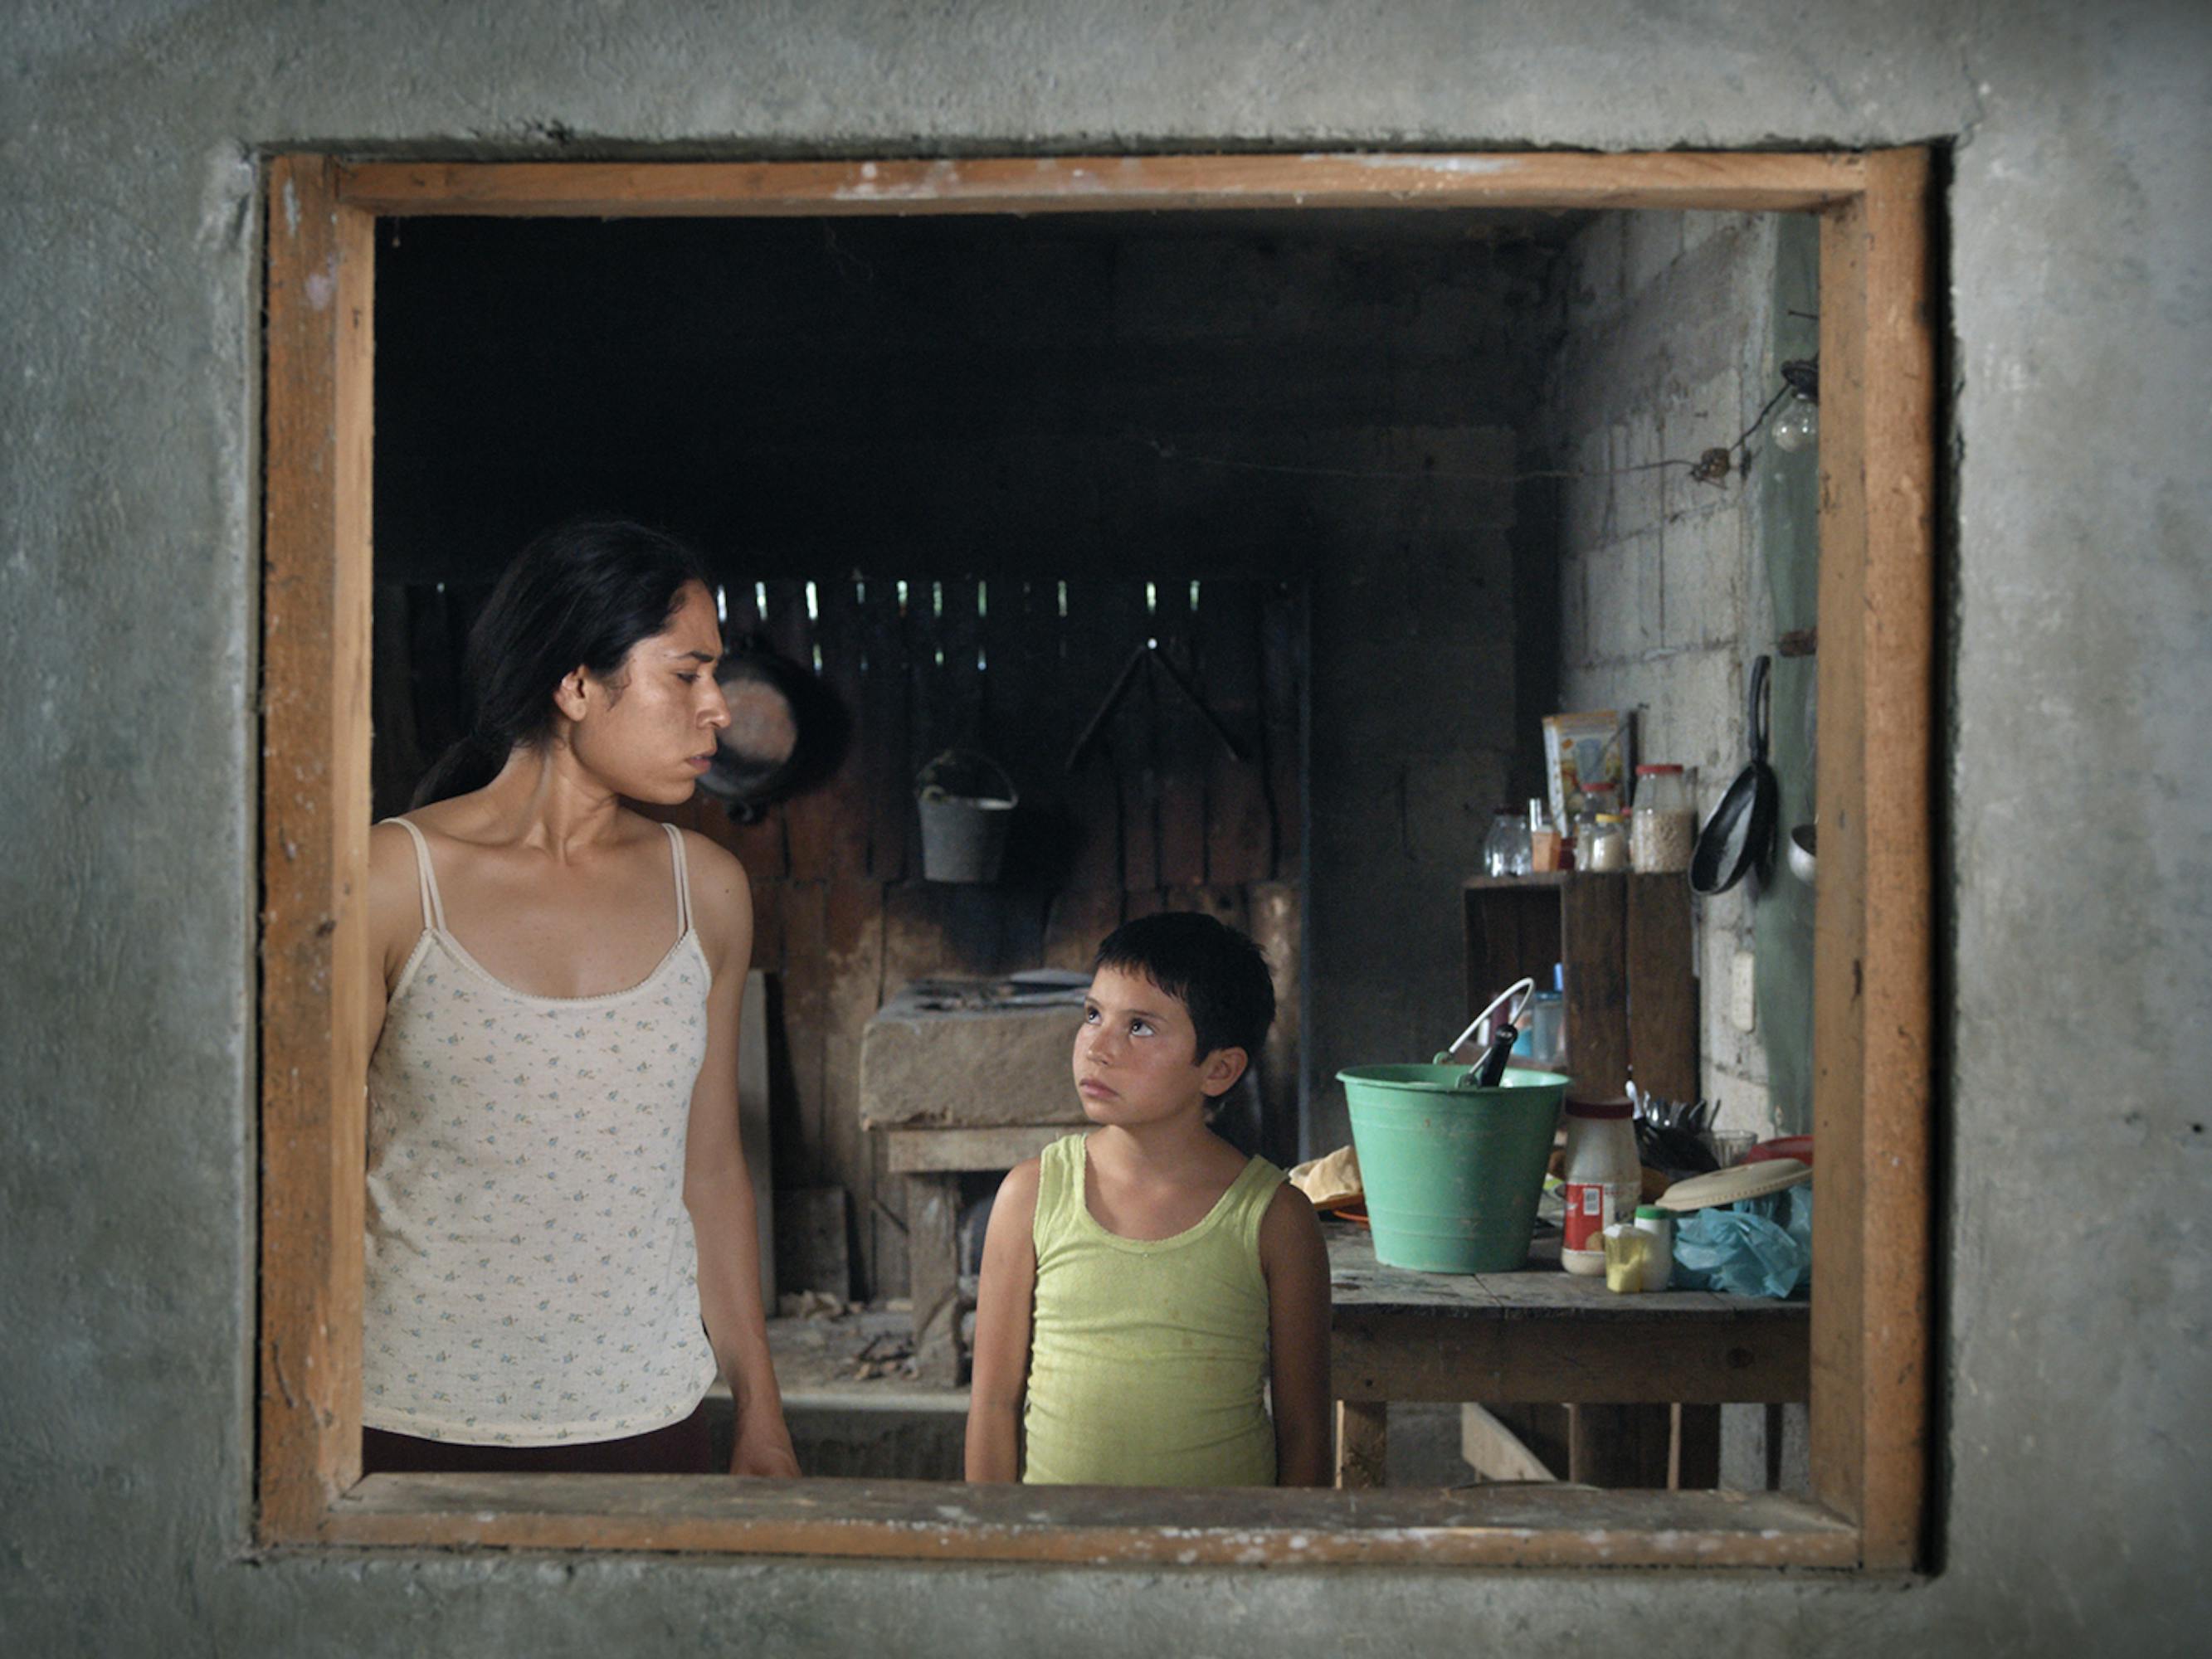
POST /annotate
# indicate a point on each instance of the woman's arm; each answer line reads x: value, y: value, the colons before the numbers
x: 1296, y: 1262
x: 717, y: 1189
x: 1004, y: 1295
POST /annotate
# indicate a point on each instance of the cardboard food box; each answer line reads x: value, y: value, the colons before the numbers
x: 1579, y: 749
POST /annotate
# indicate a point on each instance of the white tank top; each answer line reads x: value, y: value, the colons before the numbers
x: 531, y: 1272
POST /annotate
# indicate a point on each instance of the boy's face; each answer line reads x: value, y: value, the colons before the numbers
x: 1136, y: 1055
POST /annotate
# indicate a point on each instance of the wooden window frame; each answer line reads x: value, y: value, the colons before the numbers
x: 1873, y: 1010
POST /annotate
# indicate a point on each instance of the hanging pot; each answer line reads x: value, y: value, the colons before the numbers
x: 1740, y: 832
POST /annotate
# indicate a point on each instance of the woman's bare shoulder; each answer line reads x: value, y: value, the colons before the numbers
x: 394, y: 904
x: 716, y: 871
x: 721, y: 896
x: 391, y: 852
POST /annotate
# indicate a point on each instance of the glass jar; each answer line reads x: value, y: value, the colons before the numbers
x: 1598, y: 802
x: 1505, y: 848
x: 1606, y: 844
x: 1662, y: 828
x: 1545, y: 1019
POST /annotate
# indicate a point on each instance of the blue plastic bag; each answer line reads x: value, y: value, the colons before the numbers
x: 1755, y: 1246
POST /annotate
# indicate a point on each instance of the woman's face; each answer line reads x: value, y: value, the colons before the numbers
x: 650, y: 733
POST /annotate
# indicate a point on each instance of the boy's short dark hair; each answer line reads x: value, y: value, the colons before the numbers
x: 1214, y: 971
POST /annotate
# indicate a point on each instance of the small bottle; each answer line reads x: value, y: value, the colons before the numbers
x: 1603, y: 1179
x: 1659, y: 1250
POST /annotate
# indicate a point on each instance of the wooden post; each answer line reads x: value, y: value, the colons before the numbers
x: 1363, y: 1442
x: 1873, y: 949
x: 314, y: 845
x: 932, y: 1215
x: 1663, y: 991
x: 1693, y: 1449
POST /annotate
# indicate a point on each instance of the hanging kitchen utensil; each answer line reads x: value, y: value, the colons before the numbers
x: 1486, y: 1072
x: 1741, y: 832
x: 1150, y: 656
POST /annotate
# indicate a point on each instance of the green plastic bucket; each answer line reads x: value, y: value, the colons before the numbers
x: 1452, y: 1174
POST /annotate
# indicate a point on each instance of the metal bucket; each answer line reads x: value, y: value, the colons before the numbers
x: 966, y: 801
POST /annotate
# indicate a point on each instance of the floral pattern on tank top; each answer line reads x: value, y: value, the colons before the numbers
x: 532, y: 1276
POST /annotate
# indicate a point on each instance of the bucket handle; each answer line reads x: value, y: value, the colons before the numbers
x: 950, y: 758
x: 1523, y: 988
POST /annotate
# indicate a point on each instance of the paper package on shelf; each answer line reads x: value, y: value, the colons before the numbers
x: 1586, y: 748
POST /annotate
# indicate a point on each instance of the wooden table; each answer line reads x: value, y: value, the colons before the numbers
x: 933, y: 1160
x: 1543, y: 1335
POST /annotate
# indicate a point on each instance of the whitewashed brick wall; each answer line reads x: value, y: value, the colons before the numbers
x: 1663, y: 598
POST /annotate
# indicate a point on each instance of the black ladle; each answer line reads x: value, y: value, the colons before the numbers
x: 1740, y: 832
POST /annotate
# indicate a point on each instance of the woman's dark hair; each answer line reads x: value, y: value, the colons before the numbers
x: 1217, y: 973
x: 582, y: 593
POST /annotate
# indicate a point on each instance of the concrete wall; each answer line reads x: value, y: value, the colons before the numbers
x: 2071, y: 1358
x: 1676, y: 325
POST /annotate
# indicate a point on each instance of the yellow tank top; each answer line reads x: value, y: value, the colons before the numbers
x: 1148, y: 1357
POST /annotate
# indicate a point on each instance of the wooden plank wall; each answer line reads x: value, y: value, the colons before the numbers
x: 1160, y: 816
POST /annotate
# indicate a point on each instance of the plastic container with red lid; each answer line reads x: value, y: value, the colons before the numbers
x: 1797, y: 1146
x: 1603, y: 1178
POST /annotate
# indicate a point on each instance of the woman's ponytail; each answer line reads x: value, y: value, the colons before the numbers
x: 472, y: 762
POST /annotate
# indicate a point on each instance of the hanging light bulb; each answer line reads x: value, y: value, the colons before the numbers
x: 1798, y: 426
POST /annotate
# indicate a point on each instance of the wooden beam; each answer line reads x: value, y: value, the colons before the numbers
x: 1874, y: 951
x: 314, y: 843
x: 925, y: 1152
x: 1101, y: 183
x: 1655, y: 1359
x: 1479, y: 1525
x: 1494, y: 1451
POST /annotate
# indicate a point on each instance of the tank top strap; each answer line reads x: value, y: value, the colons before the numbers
x: 426, y: 880
x: 1059, y: 1173
x: 682, y: 880
x: 1254, y: 1190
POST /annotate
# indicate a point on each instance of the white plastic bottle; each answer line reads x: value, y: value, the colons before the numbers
x: 1603, y: 1180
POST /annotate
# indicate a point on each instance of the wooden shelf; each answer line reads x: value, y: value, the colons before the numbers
x: 1632, y: 997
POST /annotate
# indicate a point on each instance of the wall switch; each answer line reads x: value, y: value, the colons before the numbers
x: 1743, y: 1000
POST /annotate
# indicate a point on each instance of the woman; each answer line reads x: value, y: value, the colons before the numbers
x: 561, y: 1244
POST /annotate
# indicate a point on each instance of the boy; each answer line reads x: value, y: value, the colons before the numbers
x: 1142, y: 1283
